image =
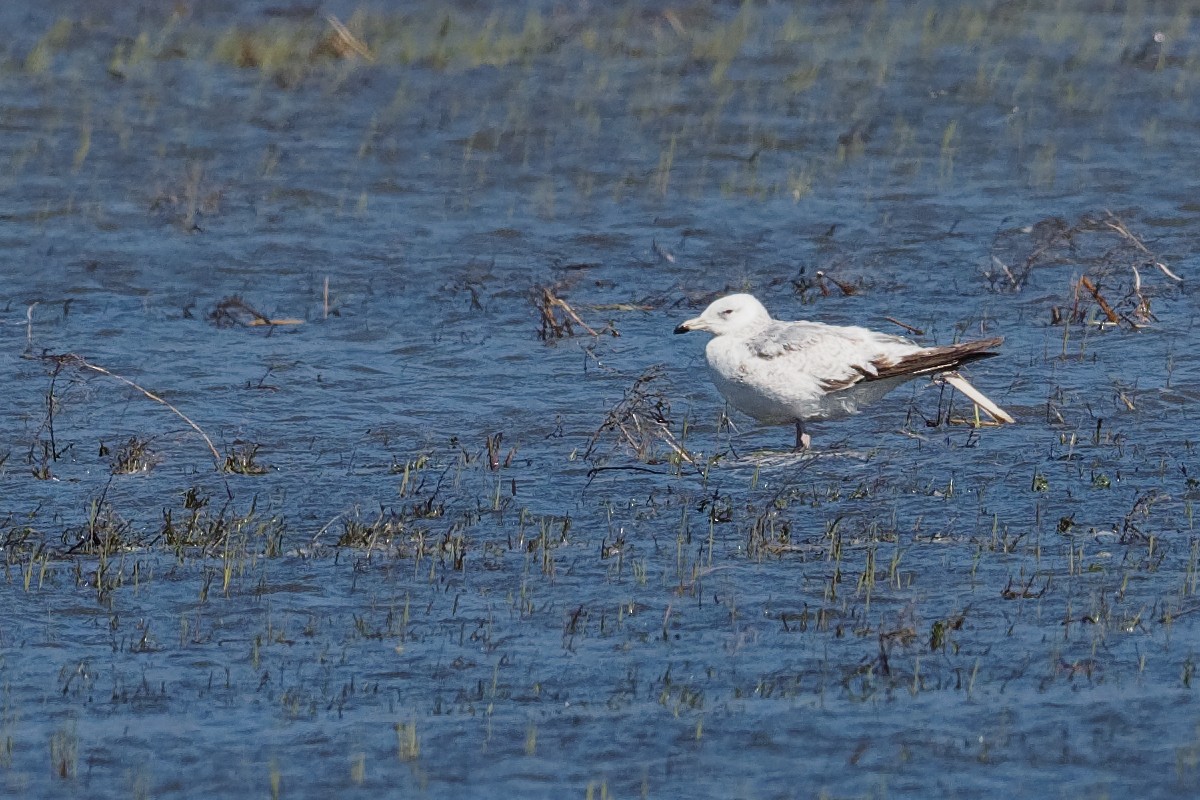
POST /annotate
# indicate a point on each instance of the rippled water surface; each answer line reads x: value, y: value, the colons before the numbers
x: 473, y: 522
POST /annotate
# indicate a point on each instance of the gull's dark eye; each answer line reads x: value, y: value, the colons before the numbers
x: 727, y: 312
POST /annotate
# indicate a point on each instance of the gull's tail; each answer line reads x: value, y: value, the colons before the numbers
x: 942, y: 362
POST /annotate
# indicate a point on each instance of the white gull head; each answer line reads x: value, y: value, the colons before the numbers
x: 735, y: 313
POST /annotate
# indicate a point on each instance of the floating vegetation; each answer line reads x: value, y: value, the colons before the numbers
x: 233, y: 311
x: 198, y: 529
x: 380, y: 532
x: 1111, y: 256
x: 559, y: 319
x: 402, y: 537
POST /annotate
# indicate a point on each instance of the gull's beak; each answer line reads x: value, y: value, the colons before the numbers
x: 690, y: 325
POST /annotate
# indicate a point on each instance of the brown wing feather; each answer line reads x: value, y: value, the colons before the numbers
x: 836, y: 386
x: 935, y: 359
x: 931, y: 359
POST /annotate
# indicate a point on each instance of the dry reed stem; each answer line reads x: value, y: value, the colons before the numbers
x: 1117, y: 225
x: 80, y: 361
x: 979, y: 398
x: 552, y: 327
x: 29, y: 323
x: 348, y: 39
x: 913, y: 330
x: 660, y: 430
x: 553, y: 300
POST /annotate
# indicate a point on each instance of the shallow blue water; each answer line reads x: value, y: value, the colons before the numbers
x: 760, y: 626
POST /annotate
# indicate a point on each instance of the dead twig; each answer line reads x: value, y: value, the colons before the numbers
x: 846, y: 288
x: 1100, y: 245
x: 1086, y: 283
x: 914, y: 331
x: 72, y: 359
x: 233, y: 310
x: 1057, y: 242
x: 558, y: 325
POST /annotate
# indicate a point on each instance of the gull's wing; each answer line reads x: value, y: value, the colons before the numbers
x: 939, y: 359
x: 836, y: 356
x: 841, y: 356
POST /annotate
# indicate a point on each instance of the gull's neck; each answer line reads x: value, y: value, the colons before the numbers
x: 752, y: 327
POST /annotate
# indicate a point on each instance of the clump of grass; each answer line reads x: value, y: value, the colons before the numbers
x: 288, y: 51
x: 641, y: 423
x: 385, y: 530
x: 400, y: 535
x: 64, y: 753
x: 242, y: 459
x: 492, y: 443
x: 940, y: 633
x: 131, y: 457
x: 106, y: 537
x: 280, y: 47
x: 771, y: 532
x: 408, y: 742
x: 18, y: 540
x: 104, y: 532
x: 225, y: 531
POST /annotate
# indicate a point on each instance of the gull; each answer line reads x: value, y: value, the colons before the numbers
x: 794, y: 372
